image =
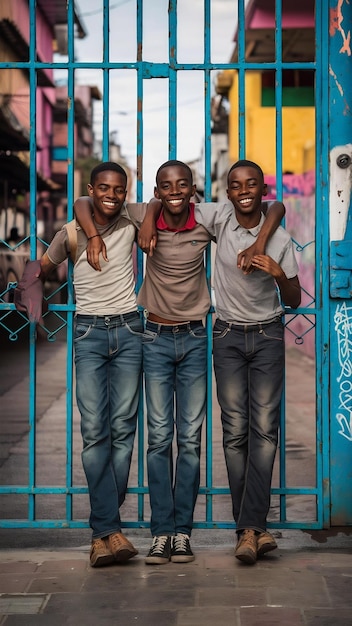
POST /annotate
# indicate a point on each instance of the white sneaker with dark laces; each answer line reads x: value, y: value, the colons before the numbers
x: 160, y: 551
x: 181, y: 549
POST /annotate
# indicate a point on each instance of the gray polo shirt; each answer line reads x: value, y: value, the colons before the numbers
x: 240, y: 298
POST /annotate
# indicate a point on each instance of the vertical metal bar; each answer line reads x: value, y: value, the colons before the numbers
x: 278, y: 161
x: 278, y: 96
x: 172, y: 79
x: 33, y: 253
x: 208, y: 196
x: 338, y: 360
x: 321, y: 248
x: 69, y: 330
x: 241, y: 81
x: 139, y: 101
x: 139, y: 17
x: 106, y: 81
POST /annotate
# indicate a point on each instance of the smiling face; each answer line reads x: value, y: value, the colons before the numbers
x: 174, y: 188
x: 108, y: 193
x: 245, y: 190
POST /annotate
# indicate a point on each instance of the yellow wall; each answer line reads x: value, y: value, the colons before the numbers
x: 298, y: 136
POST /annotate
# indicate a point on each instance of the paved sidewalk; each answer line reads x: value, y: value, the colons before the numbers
x: 307, y: 581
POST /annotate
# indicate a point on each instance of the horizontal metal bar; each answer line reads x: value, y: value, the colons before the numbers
x: 157, y: 67
x: 144, y: 490
x: 313, y: 525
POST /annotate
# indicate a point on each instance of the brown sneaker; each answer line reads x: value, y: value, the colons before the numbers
x: 121, y: 548
x: 100, y: 554
x: 266, y: 543
x: 246, y: 549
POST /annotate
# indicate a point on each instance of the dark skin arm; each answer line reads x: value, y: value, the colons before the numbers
x: 147, y: 234
x: 95, y: 245
x: 273, y: 217
x: 46, y: 267
x: 290, y: 288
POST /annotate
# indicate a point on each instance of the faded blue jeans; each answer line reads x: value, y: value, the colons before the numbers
x: 175, y: 364
x: 249, y: 368
x: 108, y: 358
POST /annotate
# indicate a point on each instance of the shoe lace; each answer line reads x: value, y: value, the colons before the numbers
x: 181, y: 542
x: 249, y: 538
x: 159, y: 543
x: 116, y: 541
x: 97, y: 544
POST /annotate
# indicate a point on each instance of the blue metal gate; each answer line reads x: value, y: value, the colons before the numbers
x: 214, y: 509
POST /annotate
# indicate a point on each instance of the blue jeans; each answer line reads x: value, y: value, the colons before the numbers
x: 174, y: 363
x: 108, y: 358
x: 249, y: 367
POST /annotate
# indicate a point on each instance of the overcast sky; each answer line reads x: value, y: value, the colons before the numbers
x: 190, y: 37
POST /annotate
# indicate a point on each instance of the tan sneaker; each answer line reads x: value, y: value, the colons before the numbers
x: 100, y: 554
x: 246, y: 549
x: 120, y: 547
x: 266, y: 543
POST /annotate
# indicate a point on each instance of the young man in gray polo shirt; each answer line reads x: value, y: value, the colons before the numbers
x: 248, y: 348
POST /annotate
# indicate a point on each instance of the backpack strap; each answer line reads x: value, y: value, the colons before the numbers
x: 71, y: 229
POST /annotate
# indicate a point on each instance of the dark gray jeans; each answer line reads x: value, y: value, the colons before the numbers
x: 249, y: 368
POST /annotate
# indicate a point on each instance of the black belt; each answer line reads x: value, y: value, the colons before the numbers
x: 246, y: 328
x: 172, y: 328
x: 108, y: 320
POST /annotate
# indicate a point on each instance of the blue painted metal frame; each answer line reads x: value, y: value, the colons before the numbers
x: 339, y: 253
x: 169, y: 71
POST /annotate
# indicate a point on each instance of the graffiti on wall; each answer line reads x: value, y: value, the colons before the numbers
x: 343, y: 327
x: 299, y: 199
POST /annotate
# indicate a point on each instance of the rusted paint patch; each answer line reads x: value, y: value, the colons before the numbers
x: 139, y: 167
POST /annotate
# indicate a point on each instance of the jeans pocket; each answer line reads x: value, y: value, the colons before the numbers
x: 149, y: 337
x: 135, y: 327
x: 220, y: 333
x: 81, y: 331
x: 273, y: 331
x: 200, y: 332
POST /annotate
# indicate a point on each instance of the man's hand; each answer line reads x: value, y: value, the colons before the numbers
x: 267, y: 264
x: 148, y: 236
x: 290, y: 288
x: 95, y: 247
x: 245, y: 257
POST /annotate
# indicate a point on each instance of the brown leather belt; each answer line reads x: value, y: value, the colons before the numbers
x: 161, y: 320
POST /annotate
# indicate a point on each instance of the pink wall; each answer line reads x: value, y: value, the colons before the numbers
x: 295, y: 14
x: 299, y: 200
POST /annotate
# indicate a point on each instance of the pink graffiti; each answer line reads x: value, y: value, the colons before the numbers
x: 293, y: 184
x: 336, y: 19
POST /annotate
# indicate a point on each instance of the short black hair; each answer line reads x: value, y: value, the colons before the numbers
x: 174, y: 162
x: 245, y: 163
x: 106, y: 166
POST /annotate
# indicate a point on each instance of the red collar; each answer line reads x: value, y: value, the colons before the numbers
x: 189, y: 225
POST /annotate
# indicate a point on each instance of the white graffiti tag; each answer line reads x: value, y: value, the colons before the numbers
x: 343, y: 328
